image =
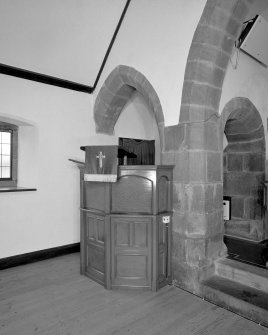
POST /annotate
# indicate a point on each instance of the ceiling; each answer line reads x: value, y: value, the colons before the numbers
x: 66, y: 39
x: 61, y: 38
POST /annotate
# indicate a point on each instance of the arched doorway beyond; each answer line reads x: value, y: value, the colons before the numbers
x: 243, y: 177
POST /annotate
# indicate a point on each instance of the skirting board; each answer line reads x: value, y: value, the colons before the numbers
x: 39, y: 255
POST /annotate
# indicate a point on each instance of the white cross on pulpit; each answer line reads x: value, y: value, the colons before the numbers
x: 100, y: 157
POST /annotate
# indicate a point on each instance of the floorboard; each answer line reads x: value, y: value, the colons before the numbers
x: 50, y: 297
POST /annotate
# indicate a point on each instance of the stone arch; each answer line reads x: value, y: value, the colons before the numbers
x: 240, y: 114
x: 114, y: 94
x: 195, y: 147
x: 211, y: 47
x: 244, y: 168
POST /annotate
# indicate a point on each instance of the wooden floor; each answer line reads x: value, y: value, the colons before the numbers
x: 52, y: 298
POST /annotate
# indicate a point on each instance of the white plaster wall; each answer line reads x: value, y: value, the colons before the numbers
x: 155, y: 38
x: 61, y: 38
x: 61, y: 123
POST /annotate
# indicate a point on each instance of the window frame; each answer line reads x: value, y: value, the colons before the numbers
x: 12, y: 182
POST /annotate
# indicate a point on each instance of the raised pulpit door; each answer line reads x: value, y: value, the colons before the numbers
x: 131, y: 246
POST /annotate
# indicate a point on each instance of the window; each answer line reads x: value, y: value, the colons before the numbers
x: 8, y: 154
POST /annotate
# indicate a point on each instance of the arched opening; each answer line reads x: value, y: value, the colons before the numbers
x: 136, y: 122
x: 243, y: 178
x: 127, y: 106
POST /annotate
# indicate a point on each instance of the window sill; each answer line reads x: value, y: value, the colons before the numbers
x: 16, y: 189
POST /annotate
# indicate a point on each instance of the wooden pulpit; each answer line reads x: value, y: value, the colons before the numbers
x: 126, y: 224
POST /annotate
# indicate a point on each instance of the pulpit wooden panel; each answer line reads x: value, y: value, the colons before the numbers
x: 131, y: 250
x: 95, y: 195
x: 132, y: 194
x: 95, y: 248
x: 164, y: 252
x: 163, y: 194
x: 126, y: 228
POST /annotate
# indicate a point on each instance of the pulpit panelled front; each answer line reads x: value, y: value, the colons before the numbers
x: 126, y: 228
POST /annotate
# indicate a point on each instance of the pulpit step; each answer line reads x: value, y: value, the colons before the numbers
x: 243, y: 273
x: 238, y: 298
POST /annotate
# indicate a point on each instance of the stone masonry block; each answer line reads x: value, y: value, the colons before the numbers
x: 202, y: 136
x: 215, y: 223
x: 185, y: 275
x: 197, y: 225
x: 197, y: 166
x: 117, y: 105
x: 215, y: 16
x: 223, y: 20
x: 178, y: 246
x: 168, y: 158
x: 209, y: 196
x: 155, y: 105
x: 197, y: 198
x: 179, y: 223
x: 195, y: 136
x: 197, y: 113
x: 214, y: 37
x: 127, y: 74
x: 256, y: 146
x: 208, y: 53
x: 239, y: 184
x: 254, y: 162
x: 215, y: 247
x: 161, y: 130
x: 125, y: 92
x: 236, y: 8
x: 218, y: 196
x: 180, y: 197
x: 251, y: 209
x: 100, y: 108
x: 181, y: 169
x: 235, y: 162
x: 213, y: 196
x: 204, y: 225
x: 235, y: 134
x: 212, y: 136
x: 238, y: 207
x: 174, y: 137
x: 196, y: 252
x: 114, y: 79
x: 214, y: 167
x: 200, y: 94
x: 106, y: 95
x: 225, y: 161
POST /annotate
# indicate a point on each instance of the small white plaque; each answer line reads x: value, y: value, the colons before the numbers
x: 226, y: 209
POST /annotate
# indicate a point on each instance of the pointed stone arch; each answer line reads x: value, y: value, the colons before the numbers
x: 195, y: 145
x: 117, y: 89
